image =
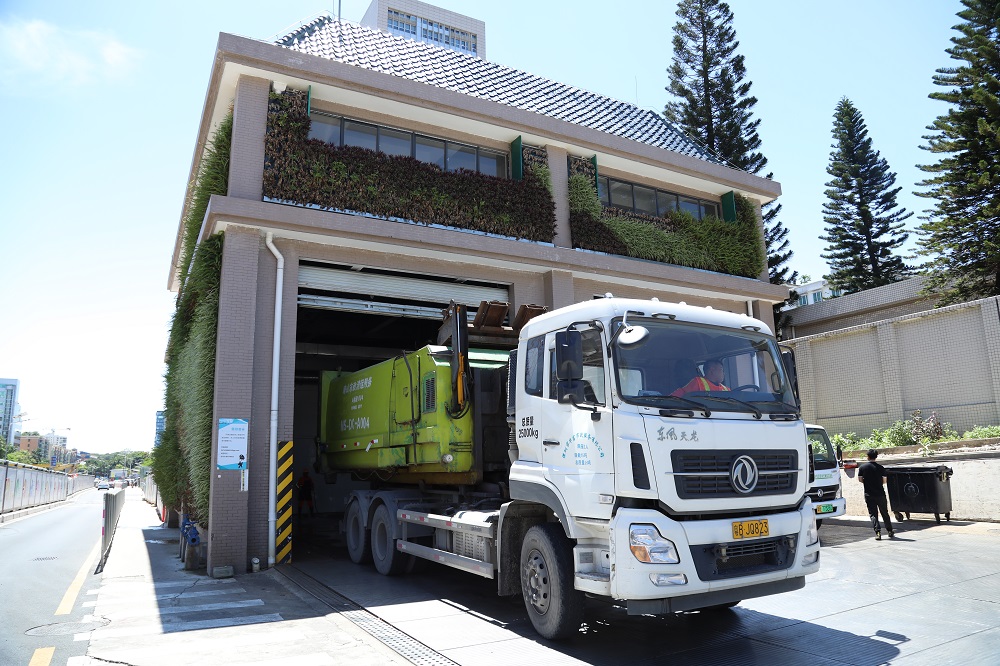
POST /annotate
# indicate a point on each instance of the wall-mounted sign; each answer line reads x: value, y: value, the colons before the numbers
x: 234, y: 434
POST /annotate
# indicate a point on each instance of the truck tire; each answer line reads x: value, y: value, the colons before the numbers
x: 359, y: 539
x: 555, y: 608
x: 388, y: 560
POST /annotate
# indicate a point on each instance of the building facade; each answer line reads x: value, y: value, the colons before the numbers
x: 9, y: 408
x: 342, y: 260
x: 419, y: 21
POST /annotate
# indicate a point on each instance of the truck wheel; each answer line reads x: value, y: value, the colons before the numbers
x: 388, y: 560
x: 819, y: 523
x: 359, y: 539
x: 555, y: 608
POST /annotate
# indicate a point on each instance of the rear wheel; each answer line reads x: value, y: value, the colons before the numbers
x: 359, y: 539
x: 388, y: 560
x: 555, y: 608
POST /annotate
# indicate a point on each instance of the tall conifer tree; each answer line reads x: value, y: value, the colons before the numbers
x: 962, y: 231
x: 713, y: 104
x: 863, y: 225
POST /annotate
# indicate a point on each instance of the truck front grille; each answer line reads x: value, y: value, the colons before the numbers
x: 732, y: 560
x: 706, y: 474
x: 829, y: 493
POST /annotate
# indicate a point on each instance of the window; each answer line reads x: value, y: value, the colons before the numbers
x: 395, y: 142
x: 665, y: 203
x: 430, y: 150
x: 593, y: 368
x: 492, y: 164
x: 649, y: 201
x: 803, y: 300
x: 817, y: 296
x: 645, y: 200
x: 360, y: 135
x: 325, y: 128
x: 689, y: 206
x: 621, y: 194
x: 533, y: 365
x: 461, y: 157
x: 602, y: 191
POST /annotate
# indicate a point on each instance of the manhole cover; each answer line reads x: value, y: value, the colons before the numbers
x: 67, y: 628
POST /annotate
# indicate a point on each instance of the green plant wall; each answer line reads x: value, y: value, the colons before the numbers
x: 182, y: 461
x: 735, y: 248
x: 309, y: 171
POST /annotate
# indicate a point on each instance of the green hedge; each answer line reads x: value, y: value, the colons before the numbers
x: 735, y: 248
x: 182, y: 461
x: 312, y: 172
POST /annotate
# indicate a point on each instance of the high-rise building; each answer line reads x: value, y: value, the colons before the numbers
x: 412, y: 19
x: 8, y: 407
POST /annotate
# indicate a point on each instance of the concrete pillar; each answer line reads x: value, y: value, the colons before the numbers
x: 762, y: 310
x: 807, y: 382
x: 558, y: 164
x: 990, y: 310
x: 234, y: 380
x: 246, y: 166
x: 888, y: 352
x: 559, y: 289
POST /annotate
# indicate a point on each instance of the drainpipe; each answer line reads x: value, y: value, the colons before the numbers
x: 272, y: 482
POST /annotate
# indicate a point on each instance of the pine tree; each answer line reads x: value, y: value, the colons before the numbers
x: 962, y: 231
x: 863, y: 225
x: 714, y: 105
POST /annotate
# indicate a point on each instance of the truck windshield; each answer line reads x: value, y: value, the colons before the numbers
x: 721, y: 369
x: 824, y: 456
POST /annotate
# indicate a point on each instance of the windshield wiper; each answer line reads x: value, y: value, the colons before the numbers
x: 684, y: 401
x: 791, y: 415
x: 756, y: 412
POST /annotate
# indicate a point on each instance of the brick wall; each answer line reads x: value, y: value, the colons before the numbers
x: 945, y: 361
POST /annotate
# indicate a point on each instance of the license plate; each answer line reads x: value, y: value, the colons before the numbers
x: 825, y: 508
x: 750, y: 529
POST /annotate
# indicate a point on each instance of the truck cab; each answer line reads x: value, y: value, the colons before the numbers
x: 825, y: 491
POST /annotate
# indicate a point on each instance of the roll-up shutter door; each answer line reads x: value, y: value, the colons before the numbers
x: 392, y: 294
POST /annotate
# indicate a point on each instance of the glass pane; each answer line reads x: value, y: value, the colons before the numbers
x: 665, y: 203
x: 492, y: 164
x: 461, y: 157
x: 394, y: 142
x: 690, y: 206
x: 430, y: 151
x: 645, y: 200
x: 325, y: 129
x: 621, y: 194
x: 708, y: 209
x: 602, y: 190
x: 359, y: 134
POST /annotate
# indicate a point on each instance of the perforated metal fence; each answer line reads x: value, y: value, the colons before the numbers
x: 25, y: 486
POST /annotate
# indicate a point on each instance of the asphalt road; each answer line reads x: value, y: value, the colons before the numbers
x: 48, y: 562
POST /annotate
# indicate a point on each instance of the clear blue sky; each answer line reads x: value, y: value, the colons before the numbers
x: 100, y: 109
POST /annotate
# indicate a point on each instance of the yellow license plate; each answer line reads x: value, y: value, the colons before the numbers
x: 750, y: 529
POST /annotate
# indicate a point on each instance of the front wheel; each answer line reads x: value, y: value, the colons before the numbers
x: 555, y: 608
x: 388, y: 560
x: 819, y: 523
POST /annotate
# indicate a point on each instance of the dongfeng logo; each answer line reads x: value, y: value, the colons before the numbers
x: 743, y: 475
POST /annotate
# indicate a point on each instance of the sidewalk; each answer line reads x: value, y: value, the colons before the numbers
x: 159, y: 614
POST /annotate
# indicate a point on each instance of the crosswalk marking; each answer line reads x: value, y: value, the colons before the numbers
x: 130, y: 599
x: 176, y: 627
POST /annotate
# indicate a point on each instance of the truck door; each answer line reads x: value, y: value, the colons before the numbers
x: 578, y: 449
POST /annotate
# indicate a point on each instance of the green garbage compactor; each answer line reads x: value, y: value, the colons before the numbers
x: 399, y: 420
x: 919, y: 489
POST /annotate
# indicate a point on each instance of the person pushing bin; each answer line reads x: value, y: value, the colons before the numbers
x: 873, y: 476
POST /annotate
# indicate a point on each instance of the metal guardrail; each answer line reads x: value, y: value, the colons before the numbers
x: 25, y: 486
x: 114, y: 500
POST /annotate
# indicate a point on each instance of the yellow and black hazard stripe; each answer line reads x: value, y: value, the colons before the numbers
x: 283, y: 510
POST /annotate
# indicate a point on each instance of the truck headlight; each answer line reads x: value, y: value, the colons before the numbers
x: 648, y: 545
x: 812, y: 534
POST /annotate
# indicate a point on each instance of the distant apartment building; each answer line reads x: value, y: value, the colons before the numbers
x: 28, y: 442
x: 161, y: 424
x: 815, y: 291
x: 411, y: 19
x: 8, y: 408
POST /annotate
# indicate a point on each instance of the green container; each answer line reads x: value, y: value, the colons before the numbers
x: 396, y: 419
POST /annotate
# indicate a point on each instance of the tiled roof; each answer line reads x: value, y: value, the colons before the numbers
x: 381, y: 52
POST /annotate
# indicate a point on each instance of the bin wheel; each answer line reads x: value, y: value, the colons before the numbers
x: 947, y: 516
x: 937, y: 518
x: 899, y: 517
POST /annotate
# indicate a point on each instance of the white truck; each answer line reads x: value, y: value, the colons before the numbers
x: 825, y: 491
x: 611, y: 482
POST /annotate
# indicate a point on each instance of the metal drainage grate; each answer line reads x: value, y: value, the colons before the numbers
x: 402, y: 643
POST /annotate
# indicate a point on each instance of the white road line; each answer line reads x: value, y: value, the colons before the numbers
x: 139, y: 598
x: 175, y: 610
x: 176, y: 627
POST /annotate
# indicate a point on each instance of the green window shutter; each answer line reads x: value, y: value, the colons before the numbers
x: 309, y: 99
x: 729, y: 206
x: 597, y: 186
x: 516, y: 160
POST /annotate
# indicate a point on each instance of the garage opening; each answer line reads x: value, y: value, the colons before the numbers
x: 348, y: 318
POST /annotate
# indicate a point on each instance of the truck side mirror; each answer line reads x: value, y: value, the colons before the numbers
x: 570, y: 391
x: 788, y: 361
x: 569, y: 356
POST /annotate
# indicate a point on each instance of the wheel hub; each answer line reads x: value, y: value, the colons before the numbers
x: 537, y: 575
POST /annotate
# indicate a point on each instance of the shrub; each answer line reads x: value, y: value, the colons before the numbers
x: 982, y: 432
